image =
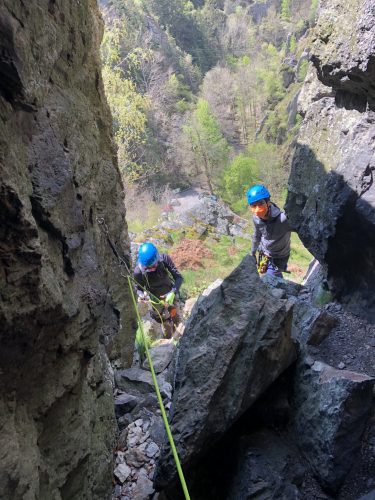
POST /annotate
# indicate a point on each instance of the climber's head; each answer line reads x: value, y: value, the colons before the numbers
x: 258, y: 198
x: 148, y: 256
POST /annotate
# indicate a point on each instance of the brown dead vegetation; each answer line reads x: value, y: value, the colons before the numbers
x: 189, y: 254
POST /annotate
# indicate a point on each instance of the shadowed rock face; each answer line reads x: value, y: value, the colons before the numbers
x: 332, y: 409
x: 62, y: 299
x: 332, y: 195
x: 236, y: 343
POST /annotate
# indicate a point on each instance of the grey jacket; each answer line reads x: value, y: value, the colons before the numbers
x: 272, y: 236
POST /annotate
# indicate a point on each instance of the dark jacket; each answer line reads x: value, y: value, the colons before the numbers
x: 165, y: 278
x: 272, y: 236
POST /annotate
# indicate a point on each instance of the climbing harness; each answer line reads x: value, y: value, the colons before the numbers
x: 162, y: 409
x: 154, y: 299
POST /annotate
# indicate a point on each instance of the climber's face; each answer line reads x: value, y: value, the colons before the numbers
x: 151, y: 269
x: 260, y: 208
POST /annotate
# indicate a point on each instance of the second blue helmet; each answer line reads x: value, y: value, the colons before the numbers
x: 256, y: 193
x: 148, y: 254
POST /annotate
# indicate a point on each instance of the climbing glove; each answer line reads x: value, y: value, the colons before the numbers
x: 169, y: 298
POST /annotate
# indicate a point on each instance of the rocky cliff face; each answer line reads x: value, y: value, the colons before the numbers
x: 331, y: 200
x: 63, y: 303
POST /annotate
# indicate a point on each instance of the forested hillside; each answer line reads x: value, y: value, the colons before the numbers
x: 205, y: 91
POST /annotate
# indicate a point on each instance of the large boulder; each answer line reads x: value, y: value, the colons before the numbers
x: 211, y: 214
x: 333, y: 407
x: 331, y: 200
x: 236, y: 343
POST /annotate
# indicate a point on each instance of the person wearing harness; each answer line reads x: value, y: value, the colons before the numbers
x: 157, y: 275
x: 271, y: 232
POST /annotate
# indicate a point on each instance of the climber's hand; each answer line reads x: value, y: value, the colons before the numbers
x: 169, y: 298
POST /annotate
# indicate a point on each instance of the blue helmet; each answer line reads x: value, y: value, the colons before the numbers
x: 256, y: 193
x: 148, y: 254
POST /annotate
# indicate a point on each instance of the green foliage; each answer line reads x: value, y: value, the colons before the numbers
x: 180, y: 19
x: 141, y: 220
x: 208, y: 145
x: 227, y: 254
x: 129, y: 118
x: 313, y: 9
x: 269, y: 73
x: 323, y: 297
x: 261, y: 163
x: 302, y: 72
x: 293, y: 44
x: 155, y: 53
x: 219, y: 266
x: 177, y: 94
x: 239, y: 175
x: 285, y: 10
x: 141, y: 341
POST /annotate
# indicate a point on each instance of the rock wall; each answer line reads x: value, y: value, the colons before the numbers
x: 64, y: 305
x: 331, y: 199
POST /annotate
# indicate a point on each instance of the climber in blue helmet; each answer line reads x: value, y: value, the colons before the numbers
x: 271, y: 232
x: 157, y: 275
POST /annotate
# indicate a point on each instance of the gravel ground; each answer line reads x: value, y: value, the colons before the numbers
x: 351, y: 344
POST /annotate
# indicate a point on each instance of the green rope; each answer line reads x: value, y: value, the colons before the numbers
x: 162, y: 409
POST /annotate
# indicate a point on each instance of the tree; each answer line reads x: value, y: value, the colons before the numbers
x: 269, y: 73
x: 209, y: 148
x: 292, y: 44
x: 239, y: 175
x: 260, y: 163
x: 218, y: 91
x: 313, y: 10
x: 128, y: 109
x: 285, y: 10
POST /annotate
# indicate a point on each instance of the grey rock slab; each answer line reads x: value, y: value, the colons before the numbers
x: 188, y: 307
x: 135, y: 380
x: 135, y: 457
x: 311, y: 325
x: 157, y: 430
x: 125, y: 403
x: 236, y: 343
x: 143, y: 488
x: 161, y: 356
x: 236, y: 230
x: 289, y: 287
x: 122, y: 472
x: 368, y: 496
x: 333, y: 408
x: 152, y: 449
x: 320, y: 327
x: 171, y: 225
